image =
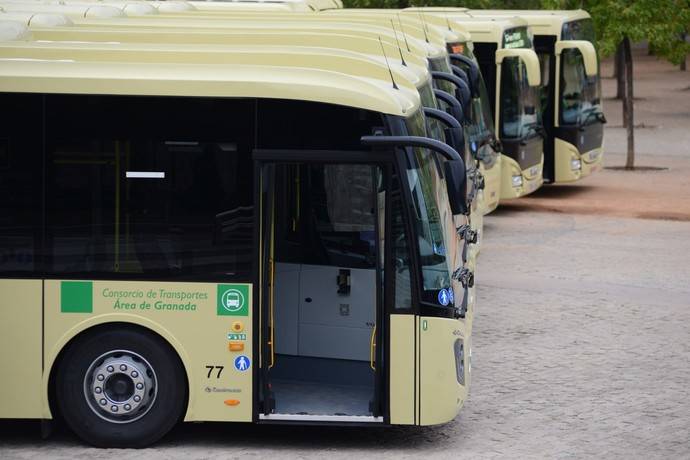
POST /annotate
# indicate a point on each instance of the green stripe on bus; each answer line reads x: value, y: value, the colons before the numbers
x: 76, y: 297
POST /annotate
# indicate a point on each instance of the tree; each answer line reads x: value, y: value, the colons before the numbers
x: 620, y: 23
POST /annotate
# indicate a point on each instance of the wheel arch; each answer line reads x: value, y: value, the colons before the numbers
x: 54, y: 356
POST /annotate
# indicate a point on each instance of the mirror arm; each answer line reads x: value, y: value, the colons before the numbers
x: 461, y: 74
x: 448, y: 120
x: 412, y: 141
x: 454, y: 79
x: 450, y: 100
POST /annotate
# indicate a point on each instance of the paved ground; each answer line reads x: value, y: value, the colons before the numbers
x: 583, y: 352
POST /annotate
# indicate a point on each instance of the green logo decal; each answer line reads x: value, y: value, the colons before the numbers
x: 76, y: 297
x: 233, y: 300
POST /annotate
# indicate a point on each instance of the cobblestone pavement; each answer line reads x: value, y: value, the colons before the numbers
x: 583, y: 352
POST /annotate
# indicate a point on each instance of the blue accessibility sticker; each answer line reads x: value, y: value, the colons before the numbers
x: 443, y: 297
x: 242, y: 363
x: 451, y: 296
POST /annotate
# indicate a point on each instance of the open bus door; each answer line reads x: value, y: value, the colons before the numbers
x: 322, y: 324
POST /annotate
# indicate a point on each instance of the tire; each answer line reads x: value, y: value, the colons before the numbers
x: 104, y: 362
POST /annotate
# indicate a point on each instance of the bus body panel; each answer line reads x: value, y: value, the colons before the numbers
x: 530, y: 182
x: 441, y: 394
x: 565, y: 154
x: 402, y: 369
x: 219, y: 315
x: 492, y: 188
x: 592, y: 161
x: 20, y: 348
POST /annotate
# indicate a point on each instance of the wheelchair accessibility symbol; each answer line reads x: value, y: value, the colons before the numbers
x: 242, y: 363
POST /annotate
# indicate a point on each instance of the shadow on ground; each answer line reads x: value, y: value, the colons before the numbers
x: 17, y: 434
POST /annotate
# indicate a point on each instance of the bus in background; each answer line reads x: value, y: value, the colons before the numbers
x: 503, y: 48
x: 300, y: 218
x: 479, y: 128
x: 571, y: 103
x: 237, y: 24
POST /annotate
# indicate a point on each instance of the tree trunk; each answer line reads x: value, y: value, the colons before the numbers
x: 684, y: 62
x: 628, y: 105
x: 619, y: 70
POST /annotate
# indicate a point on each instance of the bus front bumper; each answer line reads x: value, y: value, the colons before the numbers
x: 570, y: 165
x: 490, y: 196
x: 516, y: 182
x: 592, y: 161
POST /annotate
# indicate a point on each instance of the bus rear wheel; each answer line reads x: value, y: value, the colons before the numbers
x: 120, y: 388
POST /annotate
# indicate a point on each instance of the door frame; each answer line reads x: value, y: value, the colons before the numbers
x: 261, y: 402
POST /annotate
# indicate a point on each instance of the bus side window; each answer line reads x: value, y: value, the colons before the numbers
x: 149, y: 187
x: 20, y: 183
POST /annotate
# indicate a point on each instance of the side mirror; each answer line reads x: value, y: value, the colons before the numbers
x: 589, y: 54
x: 461, y: 74
x: 454, y: 134
x: 456, y: 109
x: 528, y: 57
x: 462, y: 92
x: 456, y: 183
x: 455, y: 174
x: 472, y: 70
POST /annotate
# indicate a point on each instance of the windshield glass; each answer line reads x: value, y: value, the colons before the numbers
x: 520, y: 103
x: 432, y: 219
x: 580, y: 95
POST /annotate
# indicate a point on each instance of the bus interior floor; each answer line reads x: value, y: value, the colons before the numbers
x: 317, y: 398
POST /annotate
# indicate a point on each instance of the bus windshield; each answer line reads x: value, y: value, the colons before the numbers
x: 520, y: 102
x: 580, y: 95
x: 431, y: 218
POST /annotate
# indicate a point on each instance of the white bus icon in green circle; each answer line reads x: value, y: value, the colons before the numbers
x: 232, y: 300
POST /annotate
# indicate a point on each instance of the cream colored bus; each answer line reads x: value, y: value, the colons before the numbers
x: 389, y: 48
x: 217, y: 242
x: 571, y: 103
x: 503, y: 47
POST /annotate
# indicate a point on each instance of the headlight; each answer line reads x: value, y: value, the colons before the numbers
x: 517, y: 181
x: 575, y: 165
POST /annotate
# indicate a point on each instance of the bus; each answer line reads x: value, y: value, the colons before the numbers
x: 571, y: 102
x: 310, y: 33
x: 215, y: 242
x: 510, y: 67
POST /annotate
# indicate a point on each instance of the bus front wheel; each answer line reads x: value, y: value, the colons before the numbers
x: 120, y: 388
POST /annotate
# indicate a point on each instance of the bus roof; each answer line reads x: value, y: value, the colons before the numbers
x: 416, y: 26
x: 71, y: 11
x: 542, y: 22
x: 204, y: 80
x: 202, y: 32
x: 486, y: 29
x: 407, y: 78
x: 38, y: 19
x: 13, y: 31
